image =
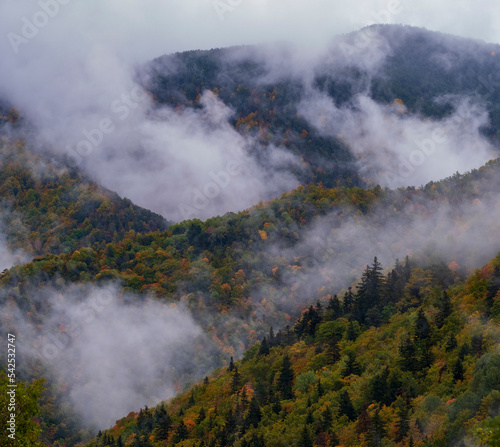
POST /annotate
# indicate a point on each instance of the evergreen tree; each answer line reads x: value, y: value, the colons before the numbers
x: 201, y: 416
x: 345, y: 406
x: 230, y: 425
x: 181, y: 432
x: 407, y: 352
x: 378, y: 430
x: 264, y: 347
x: 422, y: 327
x: 326, y: 419
x: 477, y: 344
x: 377, y: 390
x: 235, y: 380
x: 423, y: 342
x: 320, y: 389
x: 493, y: 288
x: 348, y: 301
x: 352, y: 366
x: 407, y: 269
x: 285, y: 379
x: 231, y: 365
x: 191, y: 401
x: 271, y: 338
x: 451, y: 343
x: 444, y: 311
x: 333, y: 349
x: 307, y: 324
x: 464, y: 350
x: 334, y: 308
x: 403, y: 422
x: 305, y: 439
x: 162, y: 423
x: 351, y: 333
x: 458, y: 371
x: 255, y: 441
x: 394, y: 386
x: 261, y: 393
x: 254, y: 414
x: 309, y: 418
x: 370, y: 290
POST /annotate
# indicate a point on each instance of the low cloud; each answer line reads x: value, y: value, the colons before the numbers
x: 395, y: 148
x: 110, y: 353
x: 189, y: 163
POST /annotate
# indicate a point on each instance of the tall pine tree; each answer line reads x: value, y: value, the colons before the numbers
x: 285, y: 379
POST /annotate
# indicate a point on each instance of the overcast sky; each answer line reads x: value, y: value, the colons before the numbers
x: 137, y: 30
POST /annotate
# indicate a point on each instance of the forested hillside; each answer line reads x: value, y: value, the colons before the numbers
x: 425, y: 71
x: 409, y: 358
x: 47, y: 208
x: 118, y: 306
x: 240, y: 274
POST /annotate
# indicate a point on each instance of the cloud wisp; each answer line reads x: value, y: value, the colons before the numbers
x: 111, y: 353
x: 395, y: 148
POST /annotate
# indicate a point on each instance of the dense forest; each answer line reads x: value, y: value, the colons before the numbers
x: 297, y: 341
x: 48, y: 208
x: 236, y: 294
x: 409, y: 358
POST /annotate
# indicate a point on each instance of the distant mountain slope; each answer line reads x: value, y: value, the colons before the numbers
x: 266, y: 109
x: 265, y: 85
x: 427, y: 376
x: 49, y: 209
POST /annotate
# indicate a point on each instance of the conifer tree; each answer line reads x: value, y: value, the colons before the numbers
x: 445, y: 310
x: 348, y: 301
x: 254, y: 414
x: 181, y: 432
x: 333, y: 349
x: 408, y: 359
x: 370, y: 290
x: 162, y: 423
x: 320, y: 389
x: 378, y: 430
x: 201, y: 416
x: 235, y: 380
x: 309, y: 418
x: 345, y: 406
x: 305, y: 439
x: 451, y: 343
x: 264, y: 347
x: 285, y: 379
x: 326, y: 419
x: 334, y: 308
x: 422, y: 327
x: 403, y: 422
x: 271, y: 338
x: 351, y: 333
x: 458, y: 371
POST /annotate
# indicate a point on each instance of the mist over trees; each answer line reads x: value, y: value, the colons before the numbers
x: 319, y: 264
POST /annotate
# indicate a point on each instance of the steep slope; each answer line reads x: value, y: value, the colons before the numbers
x: 266, y: 86
x: 47, y: 208
x: 241, y: 273
x: 427, y: 376
x: 282, y: 254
